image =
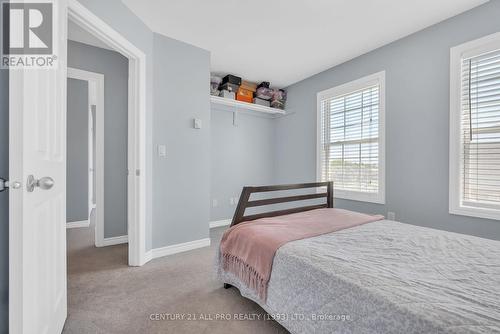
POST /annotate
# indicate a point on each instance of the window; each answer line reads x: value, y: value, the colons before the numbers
x: 475, y: 128
x: 351, y: 139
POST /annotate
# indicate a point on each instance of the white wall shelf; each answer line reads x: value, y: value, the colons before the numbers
x: 221, y: 103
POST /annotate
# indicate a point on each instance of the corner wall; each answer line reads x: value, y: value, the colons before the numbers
x: 181, y: 188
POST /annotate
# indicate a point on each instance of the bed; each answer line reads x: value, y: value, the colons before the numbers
x: 378, y: 277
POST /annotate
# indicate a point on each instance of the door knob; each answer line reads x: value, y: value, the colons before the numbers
x: 44, y: 183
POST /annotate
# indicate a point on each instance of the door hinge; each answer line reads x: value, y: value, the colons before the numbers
x: 4, y: 184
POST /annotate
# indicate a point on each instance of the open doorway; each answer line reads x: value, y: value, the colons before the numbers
x: 97, y: 146
x: 86, y: 205
x: 126, y: 197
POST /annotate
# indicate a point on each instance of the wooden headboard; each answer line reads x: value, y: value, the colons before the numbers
x: 244, y: 202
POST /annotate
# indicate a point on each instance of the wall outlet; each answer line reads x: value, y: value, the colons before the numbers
x: 215, y: 203
x: 391, y: 215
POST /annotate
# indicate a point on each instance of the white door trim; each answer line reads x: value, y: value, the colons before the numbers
x: 78, y: 224
x: 90, y: 160
x: 136, y: 125
x: 91, y: 169
x: 96, y: 97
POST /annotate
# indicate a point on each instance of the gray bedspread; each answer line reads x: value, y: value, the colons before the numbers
x: 384, y: 277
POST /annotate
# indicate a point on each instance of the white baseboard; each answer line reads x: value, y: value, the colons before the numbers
x: 77, y: 224
x: 123, y: 239
x: 219, y: 223
x: 148, y: 256
x: 179, y: 248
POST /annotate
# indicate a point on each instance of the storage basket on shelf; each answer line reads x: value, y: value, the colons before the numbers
x: 264, y: 93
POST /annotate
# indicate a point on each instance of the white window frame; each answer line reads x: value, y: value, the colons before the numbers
x: 457, y: 53
x: 350, y: 87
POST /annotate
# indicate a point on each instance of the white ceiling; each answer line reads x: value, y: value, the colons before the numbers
x: 78, y: 34
x: 284, y: 41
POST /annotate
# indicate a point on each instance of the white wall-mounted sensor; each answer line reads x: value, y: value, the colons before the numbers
x: 197, y: 123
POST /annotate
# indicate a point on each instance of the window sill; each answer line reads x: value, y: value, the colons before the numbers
x: 360, y: 197
x: 475, y: 212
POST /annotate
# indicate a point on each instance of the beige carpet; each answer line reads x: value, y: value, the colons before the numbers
x: 107, y: 296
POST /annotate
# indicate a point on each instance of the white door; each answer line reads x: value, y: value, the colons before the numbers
x: 37, y: 219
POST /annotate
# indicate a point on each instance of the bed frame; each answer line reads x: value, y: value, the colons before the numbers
x: 244, y: 202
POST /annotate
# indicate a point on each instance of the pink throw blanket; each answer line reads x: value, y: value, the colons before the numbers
x: 247, y: 249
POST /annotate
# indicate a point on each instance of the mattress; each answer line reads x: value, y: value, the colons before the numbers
x: 384, y: 277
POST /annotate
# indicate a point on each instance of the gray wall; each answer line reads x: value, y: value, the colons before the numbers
x: 77, y: 167
x: 4, y: 202
x: 182, y: 178
x: 417, y: 115
x: 240, y: 155
x: 114, y: 67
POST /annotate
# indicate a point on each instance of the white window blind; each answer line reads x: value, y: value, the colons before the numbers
x: 480, y: 130
x: 349, y: 145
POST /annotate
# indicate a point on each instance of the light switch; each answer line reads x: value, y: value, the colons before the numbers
x: 197, y: 123
x: 162, y: 151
